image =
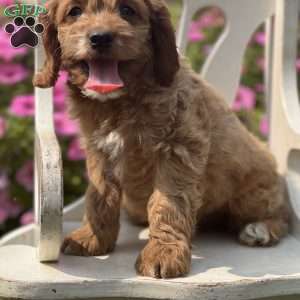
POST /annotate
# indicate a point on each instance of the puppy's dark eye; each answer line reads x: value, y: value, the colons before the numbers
x: 75, y: 12
x: 126, y: 11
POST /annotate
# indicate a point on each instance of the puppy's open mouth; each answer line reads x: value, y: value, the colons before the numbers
x: 104, y: 77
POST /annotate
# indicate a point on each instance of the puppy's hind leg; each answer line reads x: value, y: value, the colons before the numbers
x: 264, y: 233
x: 261, y: 214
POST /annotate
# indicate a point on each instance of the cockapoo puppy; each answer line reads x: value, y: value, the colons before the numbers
x: 159, y: 140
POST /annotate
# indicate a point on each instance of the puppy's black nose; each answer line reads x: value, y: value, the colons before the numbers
x: 101, y: 39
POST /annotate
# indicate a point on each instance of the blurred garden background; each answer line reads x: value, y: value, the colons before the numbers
x: 17, y: 111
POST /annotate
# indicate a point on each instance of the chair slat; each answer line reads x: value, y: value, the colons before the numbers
x: 223, y: 66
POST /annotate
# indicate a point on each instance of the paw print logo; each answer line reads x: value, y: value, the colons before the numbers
x: 24, y: 32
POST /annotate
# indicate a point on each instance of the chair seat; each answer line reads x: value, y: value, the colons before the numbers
x: 221, y: 269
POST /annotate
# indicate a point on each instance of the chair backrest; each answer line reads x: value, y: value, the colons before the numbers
x: 224, y: 64
x: 285, y: 106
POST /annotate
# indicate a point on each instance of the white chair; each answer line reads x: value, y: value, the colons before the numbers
x: 221, y: 268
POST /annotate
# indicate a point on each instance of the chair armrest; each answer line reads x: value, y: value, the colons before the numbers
x: 48, y: 196
x: 48, y: 180
x: 48, y: 173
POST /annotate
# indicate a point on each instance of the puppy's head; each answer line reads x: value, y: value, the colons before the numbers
x: 105, y: 44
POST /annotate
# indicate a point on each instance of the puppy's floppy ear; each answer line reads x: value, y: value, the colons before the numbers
x: 48, y: 75
x: 166, y: 59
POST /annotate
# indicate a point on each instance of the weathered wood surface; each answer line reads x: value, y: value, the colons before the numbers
x: 221, y: 269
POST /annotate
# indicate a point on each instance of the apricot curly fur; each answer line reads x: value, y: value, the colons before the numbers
x: 168, y: 147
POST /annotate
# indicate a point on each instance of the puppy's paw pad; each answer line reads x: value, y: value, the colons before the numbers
x: 255, y: 234
x: 163, y: 261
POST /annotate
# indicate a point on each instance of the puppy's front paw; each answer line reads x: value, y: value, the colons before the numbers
x: 83, y: 242
x: 160, y: 260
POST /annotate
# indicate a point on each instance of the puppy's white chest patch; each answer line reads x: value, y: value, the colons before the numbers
x: 112, y: 145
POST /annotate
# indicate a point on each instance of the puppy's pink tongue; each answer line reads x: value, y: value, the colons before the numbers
x: 104, y: 76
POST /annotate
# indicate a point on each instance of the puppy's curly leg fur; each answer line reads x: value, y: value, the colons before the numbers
x: 261, y: 211
x: 172, y: 213
x: 138, y: 185
x: 168, y: 251
x: 99, y: 233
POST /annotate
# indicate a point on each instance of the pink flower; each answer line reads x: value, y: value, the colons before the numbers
x: 246, y: 99
x: 12, y: 73
x: 60, y: 92
x: 260, y: 88
x: 2, y: 127
x: 61, y: 82
x: 3, y: 215
x: 8, y: 207
x: 7, y: 52
x: 25, y: 176
x: 260, y: 38
x: 64, y: 126
x: 194, y: 33
x: 59, y: 101
x: 210, y: 18
x: 195, y: 36
x: 3, y: 181
x: 75, y: 152
x: 6, y: 2
x: 27, y: 218
x: 22, y: 106
x: 261, y: 63
x: 264, y: 126
x: 207, y: 20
